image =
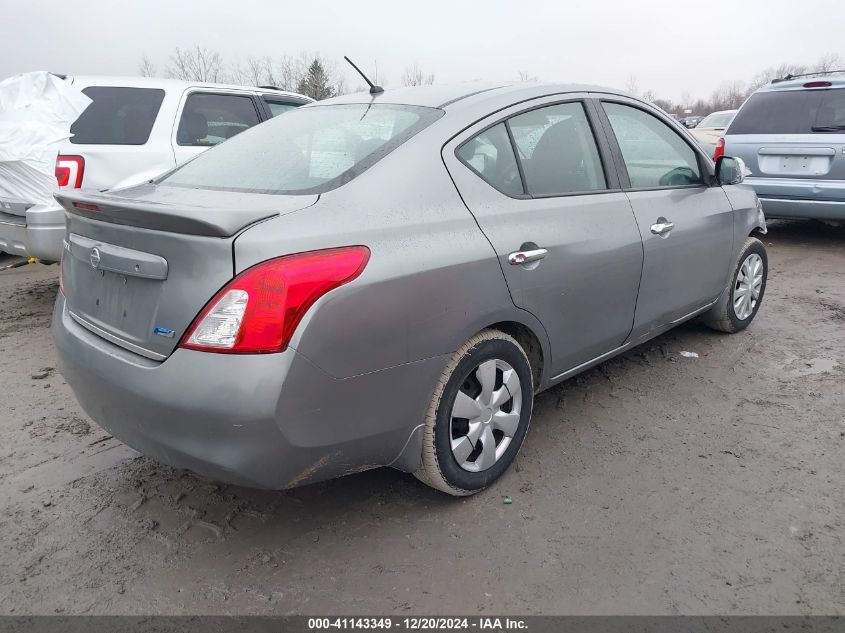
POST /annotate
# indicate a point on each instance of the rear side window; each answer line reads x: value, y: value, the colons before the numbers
x: 557, y: 150
x: 654, y: 155
x: 278, y: 107
x: 490, y: 155
x: 309, y: 150
x: 209, y: 119
x: 791, y: 112
x: 117, y: 116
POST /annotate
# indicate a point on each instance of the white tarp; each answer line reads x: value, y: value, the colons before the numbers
x: 36, y: 112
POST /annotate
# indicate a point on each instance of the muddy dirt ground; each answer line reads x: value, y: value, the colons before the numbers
x: 653, y: 484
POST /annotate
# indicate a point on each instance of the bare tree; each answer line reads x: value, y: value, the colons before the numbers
x: 775, y: 72
x: 650, y: 96
x: 664, y: 104
x: 524, y: 75
x: 632, y: 86
x: 197, y: 64
x: 256, y: 71
x: 414, y: 76
x: 146, y: 68
x: 831, y: 61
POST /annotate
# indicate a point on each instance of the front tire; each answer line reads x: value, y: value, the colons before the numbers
x: 478, y: 416
x: 744, y: 295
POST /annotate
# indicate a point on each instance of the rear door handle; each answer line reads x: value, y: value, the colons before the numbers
x: 662, y: 227
x: 518, y: 258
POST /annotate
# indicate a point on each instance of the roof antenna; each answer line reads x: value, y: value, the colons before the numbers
x: 374, y: 89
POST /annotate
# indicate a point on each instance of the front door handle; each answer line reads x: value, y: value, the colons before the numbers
x: 517, y: 258
x: 662, y: 227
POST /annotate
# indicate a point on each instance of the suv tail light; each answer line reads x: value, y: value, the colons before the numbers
x: 818, y: 84
x: 258, y: 311
x: 69, y: 171
x: 720, y: 148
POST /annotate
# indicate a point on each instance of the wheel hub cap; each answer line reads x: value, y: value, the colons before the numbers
x: 749, y: 282
x: 485, y: 415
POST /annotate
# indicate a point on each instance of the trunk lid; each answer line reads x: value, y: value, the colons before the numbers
x: 138, y: 267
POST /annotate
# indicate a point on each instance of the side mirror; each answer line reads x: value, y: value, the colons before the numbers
x: 731, y: 170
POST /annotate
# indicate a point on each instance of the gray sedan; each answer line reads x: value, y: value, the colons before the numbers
x: 389, y: 279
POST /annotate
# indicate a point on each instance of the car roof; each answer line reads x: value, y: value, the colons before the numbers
x: 723, y: 112
x: 836, y: 81
x: 171, y: 84
x: 455, y: 96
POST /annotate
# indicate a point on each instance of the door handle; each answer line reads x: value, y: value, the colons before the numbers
x: 662, y: 227
x: 518, y: 258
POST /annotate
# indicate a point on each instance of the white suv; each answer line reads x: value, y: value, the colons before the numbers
x: 135, y: 129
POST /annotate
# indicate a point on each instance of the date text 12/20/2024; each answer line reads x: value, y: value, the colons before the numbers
x: 418, y: 624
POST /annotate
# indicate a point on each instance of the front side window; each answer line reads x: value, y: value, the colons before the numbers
x: 490, y: 155
x: 117, y: 116
x: 278, y: 107
x: 558, y: 150
x: 654, y: 155
x: 209, y: 119
x: 309, y: 150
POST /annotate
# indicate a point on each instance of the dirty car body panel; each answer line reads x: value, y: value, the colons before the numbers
x: 350, y: 388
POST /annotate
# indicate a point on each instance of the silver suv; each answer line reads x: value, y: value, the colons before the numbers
x: 791, y: 135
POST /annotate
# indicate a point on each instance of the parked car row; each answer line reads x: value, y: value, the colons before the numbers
x: 690, y: 121
x: 388, y: 279
x: 134, y: 129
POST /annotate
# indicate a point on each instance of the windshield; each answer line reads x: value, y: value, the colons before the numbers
x: 792, y: 112
x: 309, y: 150
x: 717, y: 119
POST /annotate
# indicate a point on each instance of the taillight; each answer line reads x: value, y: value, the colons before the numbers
x: 258, y: 311
x: 720, y: 148
x: 69, y: 171
x: 818, y: 84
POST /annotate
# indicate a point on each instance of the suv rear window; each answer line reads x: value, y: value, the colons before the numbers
x: 309, y: 150
x: 791, y: 112
x: 117, y: 116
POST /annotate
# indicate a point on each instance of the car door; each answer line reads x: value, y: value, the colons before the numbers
x: 686, y: 220
x: 564, y: 232
x: 207, y: 118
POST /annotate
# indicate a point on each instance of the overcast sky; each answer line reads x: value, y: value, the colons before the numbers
x: 670, y: 47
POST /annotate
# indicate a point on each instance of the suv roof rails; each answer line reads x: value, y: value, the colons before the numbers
x: 268, y: 87
x: 796, y: 76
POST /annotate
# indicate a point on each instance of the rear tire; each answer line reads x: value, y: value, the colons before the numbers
x: 478, y: 416
x: 744, y: 295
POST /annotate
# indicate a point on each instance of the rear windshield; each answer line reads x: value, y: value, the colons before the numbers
x: 792, y: 112
x: 117, y: 116
x: 717, y: 119
x: 309, y: 150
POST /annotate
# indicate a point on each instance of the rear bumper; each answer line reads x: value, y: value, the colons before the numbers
x: 39, y: 233
x: 265, y: 421
x: 801, y: 197
x: 797, y: 208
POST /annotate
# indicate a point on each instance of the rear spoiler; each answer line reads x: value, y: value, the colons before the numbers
x: 159, y: 216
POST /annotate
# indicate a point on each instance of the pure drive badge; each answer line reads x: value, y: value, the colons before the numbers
x: 163, y: 331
